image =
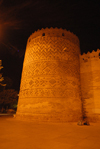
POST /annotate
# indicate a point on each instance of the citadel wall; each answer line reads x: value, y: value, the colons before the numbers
x: 90, y: 83
x: 50, y: 83
x: 56, y: 79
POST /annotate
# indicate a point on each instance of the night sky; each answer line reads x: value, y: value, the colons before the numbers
x: 20, y: 18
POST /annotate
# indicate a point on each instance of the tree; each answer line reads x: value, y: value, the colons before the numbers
x: 8, y: 99
x: 1, y: 78
x: 8, y: 81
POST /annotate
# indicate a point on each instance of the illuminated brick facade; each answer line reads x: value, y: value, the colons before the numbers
x: 90, y: 83
x: 50, y: 83
x: 56, y: 79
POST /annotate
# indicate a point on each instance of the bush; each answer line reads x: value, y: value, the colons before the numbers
x: 8, y: 99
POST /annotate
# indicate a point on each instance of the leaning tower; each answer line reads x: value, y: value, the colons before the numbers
x: 50, y: 83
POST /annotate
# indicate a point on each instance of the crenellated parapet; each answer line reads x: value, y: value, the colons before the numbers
x: 85, y: 57
x: 55, y: 32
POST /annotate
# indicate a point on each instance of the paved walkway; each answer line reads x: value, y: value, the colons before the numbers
x: 16, y: 134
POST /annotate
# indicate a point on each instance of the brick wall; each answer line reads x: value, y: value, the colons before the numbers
x: 90, y: 83
x: 50, y: 83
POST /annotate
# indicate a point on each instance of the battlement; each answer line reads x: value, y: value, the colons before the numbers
x: 55, y: 32
x: 87, y: 56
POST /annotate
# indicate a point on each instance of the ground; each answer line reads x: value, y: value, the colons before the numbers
x: 15, y: 134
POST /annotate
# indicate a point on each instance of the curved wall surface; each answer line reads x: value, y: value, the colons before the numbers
x: 50, y: 83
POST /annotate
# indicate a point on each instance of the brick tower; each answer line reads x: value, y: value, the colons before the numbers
x: 50, y: 83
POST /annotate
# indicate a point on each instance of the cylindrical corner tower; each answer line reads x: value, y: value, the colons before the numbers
x: 50, y: 83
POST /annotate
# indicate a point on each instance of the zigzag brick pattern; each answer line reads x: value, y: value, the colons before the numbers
x: 50, y: 83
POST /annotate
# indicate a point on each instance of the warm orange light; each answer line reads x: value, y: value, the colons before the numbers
x: 50, y: 84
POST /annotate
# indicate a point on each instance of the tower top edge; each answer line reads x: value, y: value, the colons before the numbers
x: 90, y: 54
x: 57, y: 32
x: 93, y: 51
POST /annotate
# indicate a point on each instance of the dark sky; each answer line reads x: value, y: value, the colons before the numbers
x: 20, y: 18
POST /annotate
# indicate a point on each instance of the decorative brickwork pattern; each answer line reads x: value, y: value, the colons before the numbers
x: 50, y: 84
